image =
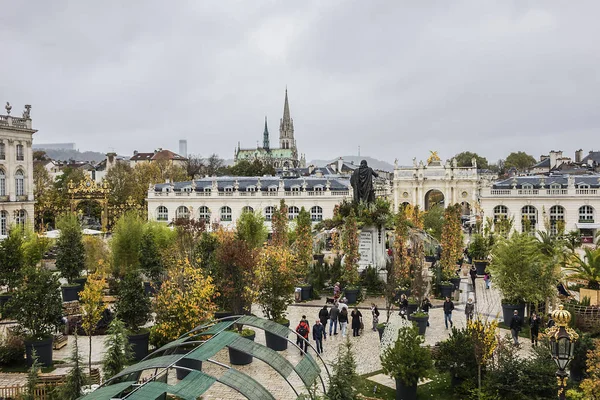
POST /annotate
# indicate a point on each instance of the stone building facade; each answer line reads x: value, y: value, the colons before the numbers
x: 224, y: 199
x: 16, y: 170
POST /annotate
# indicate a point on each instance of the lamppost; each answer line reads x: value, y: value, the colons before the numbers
x: 561, y: 345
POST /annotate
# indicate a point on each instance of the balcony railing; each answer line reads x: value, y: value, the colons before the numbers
x: 279, y: 193
x: 538, y: 192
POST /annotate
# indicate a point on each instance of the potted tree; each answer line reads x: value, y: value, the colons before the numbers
x: 451, y: 247
x: 37, y: 306
x: 351, y: 256
x: 275, y: 278
x: 401, y: 260
x: 522, y: 273
x: 588, y: 269
x: 12, y: 261
x: 407, y: 362
x: 150, y: 262
x: 303, y: 249
x: 456, y: 356
x: 70, y: 255
x: 479, y: 252
x: 133, y: 308
x: 418, y: 286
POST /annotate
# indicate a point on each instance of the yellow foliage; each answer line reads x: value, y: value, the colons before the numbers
x: 484, y: 334
x: 591, y: 385
x: 90, y: 299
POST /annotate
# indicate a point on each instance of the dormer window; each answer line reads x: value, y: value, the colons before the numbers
x: 228, y: 189
x: 187, y: 189
x: 272, y: 188
x: 207, y: 190
x: 251, y: 189
x: 527, y: 186
x: 583, y: 186
x: 295, y: 188
x: 555, y: 186
x: 318, y: 188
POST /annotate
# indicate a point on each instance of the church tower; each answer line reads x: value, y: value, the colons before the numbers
x: 266, y: 144
x: 286, y: 127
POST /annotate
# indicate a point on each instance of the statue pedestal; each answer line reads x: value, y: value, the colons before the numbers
x: 371, y: 247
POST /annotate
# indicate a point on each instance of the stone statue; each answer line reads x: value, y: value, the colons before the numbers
x: 27, y: 112
x: 362, y: 183
x: 8, y: 107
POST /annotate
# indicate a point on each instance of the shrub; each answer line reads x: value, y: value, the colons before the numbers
x: 125, y: 244
x: 406, y: 360
x: 70, y: 252
x: 456, y: 355
x: 132, y: 306
x: 343, y: 378
x: 370, y: 280
x: 12, y: 349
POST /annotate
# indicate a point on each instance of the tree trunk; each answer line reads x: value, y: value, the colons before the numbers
x: 90, y: 356
x: 479, y: 380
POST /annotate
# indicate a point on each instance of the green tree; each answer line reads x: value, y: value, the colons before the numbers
x: 251, y: 168
x: 280, y: 225
x: 12, y: 259
x: 519, y: 160
x: 304, y: 244
x: 214, y: 165
x: 350, y: 248
x: 451, y: 241
x: 465, y: 159
x: 433, y: 221
x: 34, y: 247
x: 587, y: 268
x: 342, y: 385
x: 406, y: 361
x: 250, y: 227
x: 76, y: 379
x: 122, y: 182
x: 70, y: 252
x: 118, y: 349
x: 91, y: 308
x: 132, y: 306
x: 150, y: 260
x: 33, y: 377
x: 126, y: 243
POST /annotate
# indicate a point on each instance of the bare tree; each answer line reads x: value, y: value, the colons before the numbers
x: 195, y: 166
x: 213, y: 164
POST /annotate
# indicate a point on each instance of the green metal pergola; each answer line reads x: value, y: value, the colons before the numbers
x: 192, y: 349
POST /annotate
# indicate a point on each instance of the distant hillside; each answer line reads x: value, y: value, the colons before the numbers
x: 373, y: 162
x: 66, y: 155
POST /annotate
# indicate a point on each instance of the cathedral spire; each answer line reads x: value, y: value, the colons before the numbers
x: 286, y: 109
x: 286, y: 127
x: 266, y: 136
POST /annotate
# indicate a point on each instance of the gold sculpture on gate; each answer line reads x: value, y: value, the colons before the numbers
x: 88, y: 189
x: 433, y: 157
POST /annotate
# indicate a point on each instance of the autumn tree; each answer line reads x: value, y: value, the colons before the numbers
x: 519, y: 160
x: 304, y: 244
x: 280, y: 225
x: 275, y: 278
x: 350, y: 249
x: 401, y: 263
x: 451, y: 241
x: 465, y: 159
x: 92, y: 308
x: 44, y: 194
x: 591, y: 385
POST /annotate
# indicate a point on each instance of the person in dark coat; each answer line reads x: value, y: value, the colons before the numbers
x: 375, y: 314
x: 448, y: 308
x: 303, y: 329
x: 356, y: 321
x: 550, y: 322
x: 515, y: 327
x: 534, y: 326
x: 473, y: 273
x: 333, y: 318
x: 469, y: 310
x: 318, y: 335
x: 403, y: 306
x: 343, y: 318
x: 425, y: 306
x: 323, y: 317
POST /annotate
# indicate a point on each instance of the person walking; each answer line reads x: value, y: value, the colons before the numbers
x: 486, y: 279
x: 534, y: 326
x: 356, y: 321
x: 448, y: 308
x: 550, y: 322
x: 336, y: 291
x: 403, y: 306
x: 318, y: 335
x: 343, y: 318
x: 473, y: 273
x: 515, y: 327
x: 323, y: 317
x: 333, y: 318
x: 425, y: 306
x: 469, y: 309
x: 303, y: 329
x: 375, y: 313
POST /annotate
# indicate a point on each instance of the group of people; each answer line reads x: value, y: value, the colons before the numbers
x: 535, y: 321
x: 337, y: 315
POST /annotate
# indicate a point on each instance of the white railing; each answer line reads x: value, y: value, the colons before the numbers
x: 557, y: 192
x: 586, y: 191
x: 500, y: 192
x: 528, y: 192
x: 338, y: 193
x: 538, y: 192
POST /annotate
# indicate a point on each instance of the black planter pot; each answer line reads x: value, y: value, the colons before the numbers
x: 412, y: 307
x: 306, y: 292
x: 150, y: 288
x: 456, y: 282
x: 351, y: 295
x: 43, y: 349
x: 446, y: 290
x: 481, y: 266
x: 404, y: 392
x: 430, y: 259
x: 81, y: 281
x: 508, y: 311
x: 237, y: 357
x: 320, y: 258
x: 380, y: 330
x: 275, y: 342
x: 70, y: 293
x: 4, y: 298
x: 139, y: 344
x: 421, y: 323
x: 188, y: 363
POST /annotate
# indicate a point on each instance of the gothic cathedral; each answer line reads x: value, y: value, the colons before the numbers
x: 283, y: 157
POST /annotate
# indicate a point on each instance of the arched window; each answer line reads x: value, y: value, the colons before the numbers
x: 586, y: 214
x: 528, y: 218
x: 296, y: 188
x: 2, y: 183
x: 204, y: 214
x: 293, y: 212
x: 500, y: 212
x: 20, y: 153
x: 3, y: 223
x: 557, y: 213
x: 247, y: 209
x: 182, y: 212
x: 225, y: 213
x: 21, y: 218
x: 251, y: 189
x: 269, y: 211
x: 162, y: 213
x: 2, y: 151
x: 19, y: 183
x: 316, y: 213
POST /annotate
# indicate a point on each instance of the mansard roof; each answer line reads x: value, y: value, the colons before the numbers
x: 545, y: 163
x: 245, y: 182
x: 593, y: 181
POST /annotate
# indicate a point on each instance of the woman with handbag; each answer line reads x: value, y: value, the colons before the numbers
x: 356, y: 321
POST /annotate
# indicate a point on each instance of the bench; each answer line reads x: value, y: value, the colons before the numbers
x: 60, y: 341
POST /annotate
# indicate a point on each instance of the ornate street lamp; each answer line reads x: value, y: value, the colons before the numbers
x: 561, y: 345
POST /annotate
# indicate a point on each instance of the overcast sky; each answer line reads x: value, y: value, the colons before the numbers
x: 397, y: 78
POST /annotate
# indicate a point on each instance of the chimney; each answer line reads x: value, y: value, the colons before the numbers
x: 578, y: 155
x: 311, y: 168
x: 135, y: 152
x: 553, y: 158
x: 339, y: 165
